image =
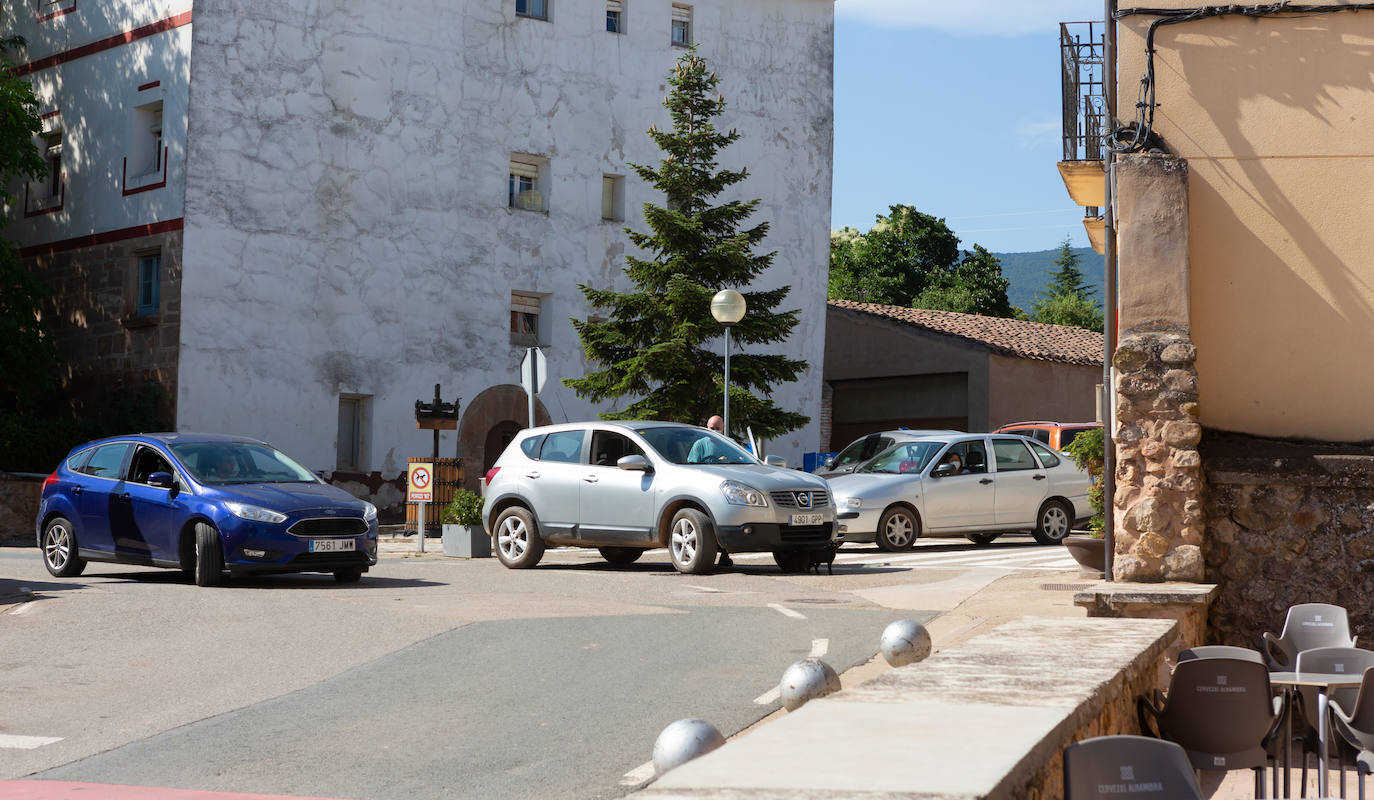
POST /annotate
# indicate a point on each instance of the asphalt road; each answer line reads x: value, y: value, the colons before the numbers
x: 432, y: 678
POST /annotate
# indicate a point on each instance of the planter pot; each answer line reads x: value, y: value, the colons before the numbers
x: 466, y: 541
x: 1088, y: 551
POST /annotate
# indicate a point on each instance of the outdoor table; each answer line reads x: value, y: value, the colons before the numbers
x: 1321, y: 681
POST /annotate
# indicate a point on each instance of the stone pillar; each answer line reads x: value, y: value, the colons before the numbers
x: 1157, y: 507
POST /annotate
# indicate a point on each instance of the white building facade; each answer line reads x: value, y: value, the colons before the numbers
x: 368, y: 199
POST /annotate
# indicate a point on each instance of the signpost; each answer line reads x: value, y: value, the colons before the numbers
x: 420, y: 489
x: 533, y: 372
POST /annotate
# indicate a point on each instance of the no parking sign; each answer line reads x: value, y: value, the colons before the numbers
x: 419, y: 483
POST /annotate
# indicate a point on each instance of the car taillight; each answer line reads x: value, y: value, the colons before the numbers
x: 491, y: 473
x: 49, y: 481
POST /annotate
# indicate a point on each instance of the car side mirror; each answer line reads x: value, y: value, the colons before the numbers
x: 162, y: 480
x: 942, y: 471
x: 830, y: 463
x: 775, y: 461
x: 635, y: 463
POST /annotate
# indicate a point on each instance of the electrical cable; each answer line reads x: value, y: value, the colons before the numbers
x: 1139, y: 135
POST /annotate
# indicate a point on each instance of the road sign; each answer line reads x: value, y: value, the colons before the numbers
x: 533, y: 363
x: 419, y: 483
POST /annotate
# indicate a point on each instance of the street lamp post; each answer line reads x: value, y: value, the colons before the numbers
x: 728, y: 307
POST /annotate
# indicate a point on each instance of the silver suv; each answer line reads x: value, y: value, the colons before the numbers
x: 626, y: 487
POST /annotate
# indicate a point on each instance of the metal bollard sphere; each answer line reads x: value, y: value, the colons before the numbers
x: 904, y: 642
x: 683, y: 741
x: 806, y: 680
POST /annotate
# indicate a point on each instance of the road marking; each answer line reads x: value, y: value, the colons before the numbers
x: 705, y: 589
x: 786, y: 612
x: 769, y: 697
x: 13, y: 742
x: 23, y: 608
x: 819, y: 647
x: 638, y: 775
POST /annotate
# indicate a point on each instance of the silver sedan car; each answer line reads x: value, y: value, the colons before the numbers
x: 626, y: 487
x: 977, y: 485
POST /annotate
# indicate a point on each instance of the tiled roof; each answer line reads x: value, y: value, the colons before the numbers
x: 1011, y: 337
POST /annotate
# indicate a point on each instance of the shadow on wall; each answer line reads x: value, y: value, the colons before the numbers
x: 19, y: 495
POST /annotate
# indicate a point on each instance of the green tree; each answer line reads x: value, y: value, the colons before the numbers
x: 659, y: 343
x: 27, y: 356
x: 1067, y: 299
x: 974, y: 286
x: 892, y: 262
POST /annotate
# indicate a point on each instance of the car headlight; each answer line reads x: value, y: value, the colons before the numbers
x: 255, y: 513
x: 850, y: 502
x: 369, y: 511
x: 739, y: 494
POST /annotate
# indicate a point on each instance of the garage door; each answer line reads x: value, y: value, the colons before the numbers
x: 861, y: 407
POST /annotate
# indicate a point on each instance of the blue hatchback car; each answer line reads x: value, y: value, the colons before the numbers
x: 201, y: 503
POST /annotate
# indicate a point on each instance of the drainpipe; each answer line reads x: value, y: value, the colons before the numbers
x: 1109, y: 293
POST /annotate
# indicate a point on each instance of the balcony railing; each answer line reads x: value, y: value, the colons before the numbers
x: 1082, y: 55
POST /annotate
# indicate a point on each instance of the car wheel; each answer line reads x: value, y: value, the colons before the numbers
x: 981, y: 539
x: 348, y: 575
x: 209, y: 556
x: 692, y: 542
x: 792, y: 560
x: 620, y: 556
x: 59, y: 549
x: 1052, y: 523
x: 517, y: 538
x: 897, y: 529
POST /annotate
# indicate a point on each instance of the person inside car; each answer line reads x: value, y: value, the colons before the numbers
x: 957, y: 462
x: 707, y: 449
x: 226, y: 466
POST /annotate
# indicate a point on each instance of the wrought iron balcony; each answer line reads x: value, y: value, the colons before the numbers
x: 1082, y: 58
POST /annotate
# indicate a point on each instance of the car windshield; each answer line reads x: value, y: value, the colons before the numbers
x: 216, y: 463
x: 862, y: 450
x: 695, y: 446
x: 903, y: 459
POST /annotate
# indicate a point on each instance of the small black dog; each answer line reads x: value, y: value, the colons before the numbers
x: 825, y: 556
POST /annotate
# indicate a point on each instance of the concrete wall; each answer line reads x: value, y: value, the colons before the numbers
x: 1271, y: 116
x: 347, y: 222
x: 1023, y: 389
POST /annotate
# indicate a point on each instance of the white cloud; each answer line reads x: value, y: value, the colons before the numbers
x: 1032, y: 134
x: 971, y: 17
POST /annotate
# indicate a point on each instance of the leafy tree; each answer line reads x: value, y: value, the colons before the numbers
x: 27, y: 355
x: 974, y: 286
x: 1068, y: 299
x: 892, y: 262
x: 659, y: 343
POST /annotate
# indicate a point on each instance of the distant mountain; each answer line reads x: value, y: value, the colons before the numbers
x: 1028, y: 273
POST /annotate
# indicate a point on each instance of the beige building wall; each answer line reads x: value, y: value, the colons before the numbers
x: 1273, y: 117
x: 1021, y: 389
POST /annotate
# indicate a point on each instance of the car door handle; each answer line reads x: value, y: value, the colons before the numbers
x: 1038, y: 477
x: 531, y: 474
x: 985, y: 481
x: 126, y: 497
x: 590, y: 478
x: 77, y: 490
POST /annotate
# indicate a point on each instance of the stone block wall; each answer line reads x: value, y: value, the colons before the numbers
x: 1158, y: 499
x: 1287, y: 522
x: 92, y: 315
x: 18, y: 507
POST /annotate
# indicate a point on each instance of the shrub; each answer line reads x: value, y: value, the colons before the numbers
x: 464, y: 509
x: 1087, y: 451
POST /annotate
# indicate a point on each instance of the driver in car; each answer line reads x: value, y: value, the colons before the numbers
x: 708, y: 448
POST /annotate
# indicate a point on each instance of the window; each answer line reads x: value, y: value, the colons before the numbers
x: 615, y: 16
x: 973, y: 455
x: 106, y: 460
x: 149, y: 284
x: 1047, y: 456
x: 526, y: 183
x: 531, y: 446
x: 352, y: 416
x: 682, y: 25
x: 145, y: 141
x: 608, y: 448
x: 612, y: 197
x: 146, y: 462
x: 1012, y: 455
x: 564, y: 447
x: 524, y: 318
x: 49, y: 185
x: 538, y: 9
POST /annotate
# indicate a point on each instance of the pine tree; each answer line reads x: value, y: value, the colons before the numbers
x: 1067, y: 299
x: 660, y: 344
x: 1068, y: 279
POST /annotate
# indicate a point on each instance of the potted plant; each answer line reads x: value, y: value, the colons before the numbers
x: 462, y: 521
x: 1087, y: 451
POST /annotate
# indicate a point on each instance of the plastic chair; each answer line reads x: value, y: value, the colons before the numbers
x: 1221, y: 712
x: 1221, y: 651
x: 1341, y: 660
x: 1356, y: 726
x: 1128, y: 766
x: 1308, y: 626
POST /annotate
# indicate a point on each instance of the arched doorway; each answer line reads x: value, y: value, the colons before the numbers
x: 489, y: 422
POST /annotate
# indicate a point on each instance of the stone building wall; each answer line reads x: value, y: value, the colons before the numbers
x: 18, y: 507
x: 1287, y: 523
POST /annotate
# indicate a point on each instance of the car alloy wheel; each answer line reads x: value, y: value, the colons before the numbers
x: 517, y: 540
x: 897, y: 530
x: 692, y: 542
x: 684, y: 541
x: 513, y: 539
x: 1052, y: 524
x: 59, y: 549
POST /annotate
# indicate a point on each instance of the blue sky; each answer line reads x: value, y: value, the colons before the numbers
x: 953, y: 107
